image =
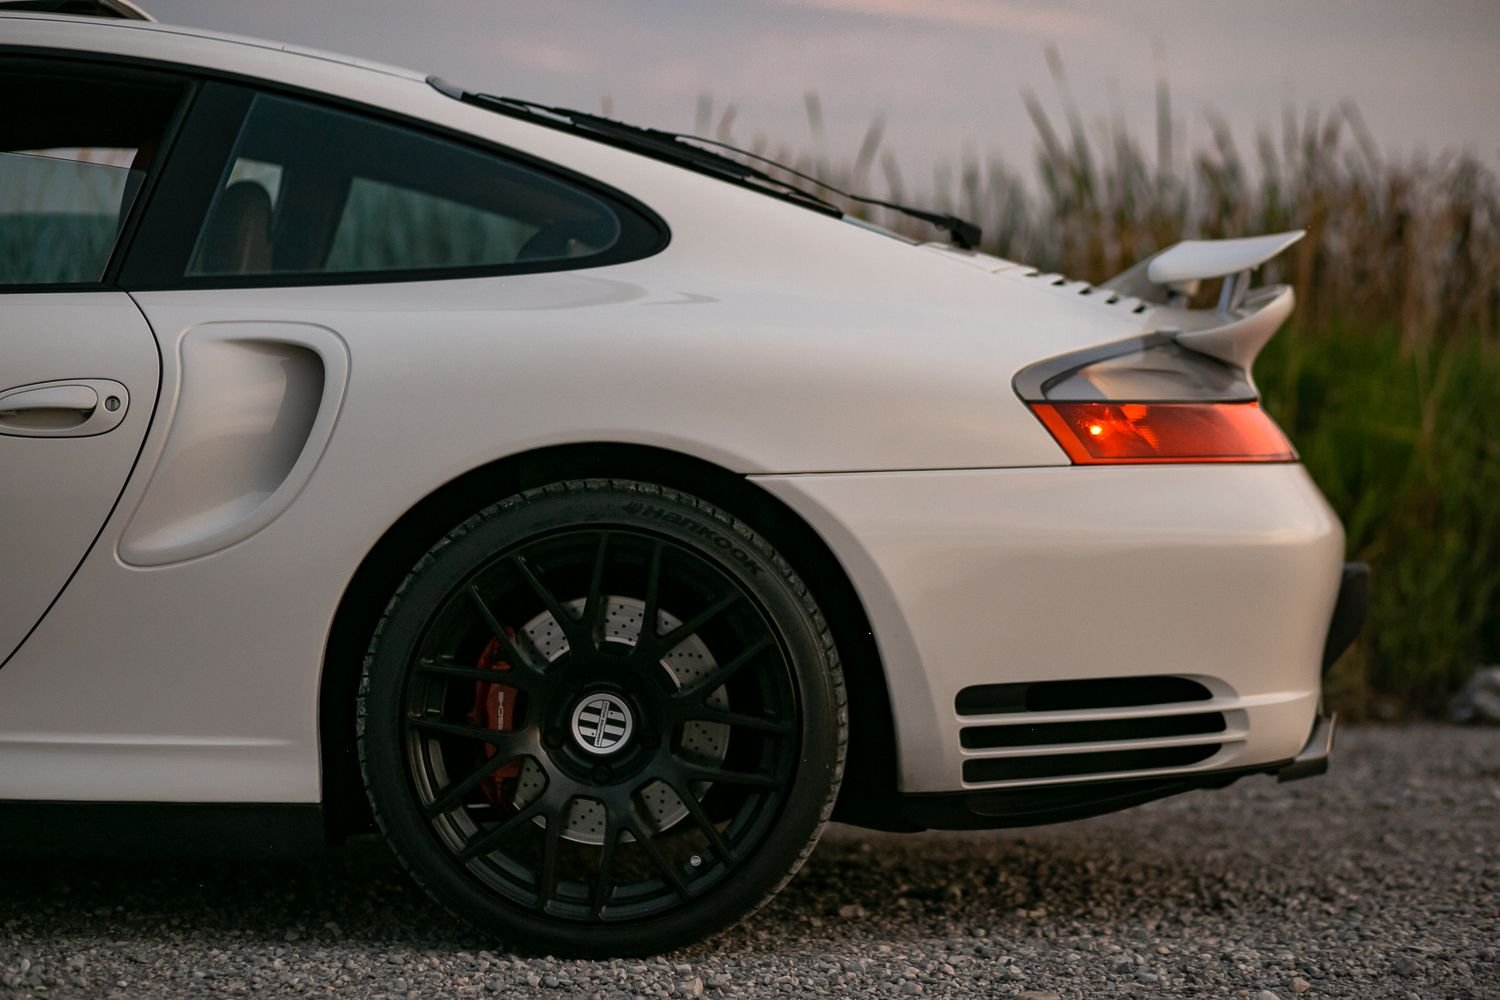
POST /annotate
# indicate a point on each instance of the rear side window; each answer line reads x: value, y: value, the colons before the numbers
x: 310, y: 190
x: 76, y: 142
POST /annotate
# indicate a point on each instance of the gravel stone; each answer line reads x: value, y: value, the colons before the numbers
x: 1379, y: 880
x: 1478, y: 701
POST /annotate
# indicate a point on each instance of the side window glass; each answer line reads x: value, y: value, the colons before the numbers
x: 315, y: 190
x: 76, y: 142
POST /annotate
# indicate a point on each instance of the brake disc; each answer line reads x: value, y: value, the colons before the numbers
x: 689, y: 662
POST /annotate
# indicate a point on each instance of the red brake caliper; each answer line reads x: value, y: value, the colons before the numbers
x: 495, y: 708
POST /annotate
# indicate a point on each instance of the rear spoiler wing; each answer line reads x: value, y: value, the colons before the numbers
x: 1244, y: 319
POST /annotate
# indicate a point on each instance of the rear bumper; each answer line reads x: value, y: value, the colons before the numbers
x: 1225, y: 577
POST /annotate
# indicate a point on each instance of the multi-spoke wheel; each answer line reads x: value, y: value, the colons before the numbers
x: 602, y: 718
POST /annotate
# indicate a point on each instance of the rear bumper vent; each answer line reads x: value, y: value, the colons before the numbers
x: 1066, y: 729
x: 1072, y: 764
x: 1066, y: 696
x: 1098, y: 731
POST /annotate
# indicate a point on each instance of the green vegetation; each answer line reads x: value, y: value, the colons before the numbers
x: 1400, y: 437
x: 1387, y: 379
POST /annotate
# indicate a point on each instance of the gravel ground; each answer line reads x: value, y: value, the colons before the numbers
x: 1381, y: 879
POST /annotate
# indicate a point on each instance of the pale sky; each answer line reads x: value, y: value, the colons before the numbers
x: 947, y: 75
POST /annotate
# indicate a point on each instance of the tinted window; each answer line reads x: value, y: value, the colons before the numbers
x: 309, y: 189
x: 76, y: 142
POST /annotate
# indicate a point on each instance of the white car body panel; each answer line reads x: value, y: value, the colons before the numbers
x: 864, y: 381
x: 1226, y: 574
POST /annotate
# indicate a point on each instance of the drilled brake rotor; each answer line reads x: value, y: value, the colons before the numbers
x: 686, y: 664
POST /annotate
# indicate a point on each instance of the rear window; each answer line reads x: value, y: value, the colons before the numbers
x: 315, y: 190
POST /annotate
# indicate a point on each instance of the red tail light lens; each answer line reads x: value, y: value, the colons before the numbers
x: 1114, y: 433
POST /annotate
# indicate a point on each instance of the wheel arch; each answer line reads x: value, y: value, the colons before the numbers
x: 870, y: 780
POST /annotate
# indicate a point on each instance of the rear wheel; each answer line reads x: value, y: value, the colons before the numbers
x: 602, y: 718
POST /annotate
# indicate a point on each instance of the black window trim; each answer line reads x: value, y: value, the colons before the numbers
x: 135, y: 270
x: 109, y: 280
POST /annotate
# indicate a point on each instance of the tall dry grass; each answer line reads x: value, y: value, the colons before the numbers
x: 1411, y: 242
x: 1388, y: 377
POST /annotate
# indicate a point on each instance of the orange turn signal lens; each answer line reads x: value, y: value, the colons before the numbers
x: 1113, y: 433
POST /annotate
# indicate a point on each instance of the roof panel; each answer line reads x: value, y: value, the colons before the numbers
x: 19, y: 12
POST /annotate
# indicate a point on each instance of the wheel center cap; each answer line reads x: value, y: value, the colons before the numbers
x: 602, y: 723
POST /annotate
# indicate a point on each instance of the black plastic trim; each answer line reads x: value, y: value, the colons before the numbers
x: 1349, y: 612
x: 141, y: 210
x: 1079, y: 695
x: 192, y: 830
x: 56, y: 288
x: 165, y: 239
x: 1020, y: 807
x: 1313, y: 758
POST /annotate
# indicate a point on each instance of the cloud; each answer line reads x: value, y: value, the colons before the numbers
x: 1039, y: 20
x: 547, y: 57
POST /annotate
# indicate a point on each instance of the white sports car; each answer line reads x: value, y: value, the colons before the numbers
x: 592, y: 511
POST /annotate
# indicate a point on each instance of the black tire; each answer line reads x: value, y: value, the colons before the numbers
x: 627, y: 799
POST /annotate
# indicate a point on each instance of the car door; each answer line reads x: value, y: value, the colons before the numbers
x: 79, y: 144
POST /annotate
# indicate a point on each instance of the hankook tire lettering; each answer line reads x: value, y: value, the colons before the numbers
x: 721, y: 542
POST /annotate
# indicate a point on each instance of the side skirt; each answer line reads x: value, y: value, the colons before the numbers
x: 179, y: 830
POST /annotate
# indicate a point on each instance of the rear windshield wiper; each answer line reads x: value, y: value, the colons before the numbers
x: 965, y: 234
x: 690, y: 151
x: 655, y: 143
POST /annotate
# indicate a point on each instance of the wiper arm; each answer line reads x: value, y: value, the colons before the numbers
x: 685, y: 148
x: 966, y: 235
x: 665, y: 144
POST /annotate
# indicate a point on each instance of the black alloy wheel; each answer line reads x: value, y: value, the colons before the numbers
x: 602, y: 717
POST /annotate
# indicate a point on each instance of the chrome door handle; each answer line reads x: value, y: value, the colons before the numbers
x: 79, y: 407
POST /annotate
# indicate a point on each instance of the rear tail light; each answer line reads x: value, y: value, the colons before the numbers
x: 1108, y: 433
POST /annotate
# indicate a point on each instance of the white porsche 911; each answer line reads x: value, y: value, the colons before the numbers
x: 594, y: 512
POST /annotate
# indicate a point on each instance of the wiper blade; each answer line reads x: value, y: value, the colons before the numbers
x: 690, y: 149
x: 667, y: 145
x: 966, y: 235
